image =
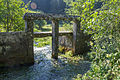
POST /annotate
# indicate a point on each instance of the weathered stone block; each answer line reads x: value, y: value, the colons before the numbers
x: 15, y: 49
x: 66, y: 41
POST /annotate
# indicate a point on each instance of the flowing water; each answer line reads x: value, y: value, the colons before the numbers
x: 46, y: 68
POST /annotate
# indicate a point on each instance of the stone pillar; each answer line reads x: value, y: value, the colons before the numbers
x: 55, y: 36
x: 29, y: 30
x: 76, y: 37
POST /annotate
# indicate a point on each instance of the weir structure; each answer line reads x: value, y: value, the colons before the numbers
x: 30, y: 17
x: 16, y: 48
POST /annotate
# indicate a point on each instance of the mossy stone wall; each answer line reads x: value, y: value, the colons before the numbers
x: 15, y: 49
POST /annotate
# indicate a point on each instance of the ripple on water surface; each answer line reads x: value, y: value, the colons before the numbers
x: 46, y: 68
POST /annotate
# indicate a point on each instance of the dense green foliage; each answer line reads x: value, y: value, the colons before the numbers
x: 11, y: 15
x: 104, y: 24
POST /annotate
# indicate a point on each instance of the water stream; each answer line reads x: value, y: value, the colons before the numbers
x: 46, y: 68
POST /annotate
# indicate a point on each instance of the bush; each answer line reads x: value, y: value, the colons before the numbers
x: 104, y: 25
x: 11, y: 15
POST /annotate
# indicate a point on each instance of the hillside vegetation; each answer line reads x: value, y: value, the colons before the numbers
x: 103, y: 24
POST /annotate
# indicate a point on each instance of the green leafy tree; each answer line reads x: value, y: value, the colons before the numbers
x: 104, y: 25
x: 11, y: 15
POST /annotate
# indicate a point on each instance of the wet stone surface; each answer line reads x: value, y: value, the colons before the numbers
x: 46, y: 68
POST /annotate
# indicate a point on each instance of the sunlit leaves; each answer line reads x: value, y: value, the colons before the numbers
x: 11, y: 14
x: 104, y: 24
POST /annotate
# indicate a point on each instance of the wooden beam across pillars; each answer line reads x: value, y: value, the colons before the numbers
x: 55, y: 36
x: 76, y: 37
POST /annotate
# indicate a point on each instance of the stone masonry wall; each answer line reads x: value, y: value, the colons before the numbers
x: 15, y: 49
x: 67, y: 42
